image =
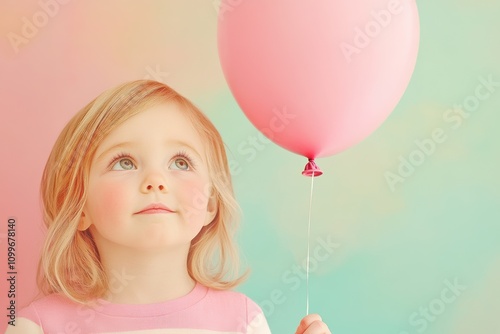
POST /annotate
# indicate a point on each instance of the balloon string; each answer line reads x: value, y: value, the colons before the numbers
x: 308, y: 244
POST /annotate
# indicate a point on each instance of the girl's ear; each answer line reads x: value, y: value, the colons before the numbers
x: 211, y: 209
x: 84, y: 223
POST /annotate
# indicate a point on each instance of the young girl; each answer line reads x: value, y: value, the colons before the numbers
x: 140, y: 212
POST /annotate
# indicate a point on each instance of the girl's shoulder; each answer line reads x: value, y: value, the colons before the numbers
x: 28, y: 319
x: 53, y: 302
x: 232, y: 299
x: 246, y: 314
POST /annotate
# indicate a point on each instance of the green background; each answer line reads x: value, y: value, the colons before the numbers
x: 396, y: 248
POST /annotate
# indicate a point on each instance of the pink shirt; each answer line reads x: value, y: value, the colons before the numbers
x: 202, y: 311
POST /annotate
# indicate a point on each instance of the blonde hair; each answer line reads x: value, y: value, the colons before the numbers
x: 70, y: 262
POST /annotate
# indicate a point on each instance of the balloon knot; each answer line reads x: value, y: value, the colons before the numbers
x: 311, y: 169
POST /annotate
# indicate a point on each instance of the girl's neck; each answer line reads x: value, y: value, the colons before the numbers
x: 144, y: 277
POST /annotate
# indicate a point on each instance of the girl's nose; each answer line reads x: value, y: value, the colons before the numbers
x: 153, y: 182
x: 160, y: 186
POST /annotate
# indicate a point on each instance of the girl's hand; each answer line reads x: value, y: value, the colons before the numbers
x: 312, y: 324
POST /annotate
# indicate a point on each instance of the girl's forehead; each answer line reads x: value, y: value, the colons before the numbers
x: 165, y: 122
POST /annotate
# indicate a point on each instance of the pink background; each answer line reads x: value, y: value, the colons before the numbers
x: 86, y: 47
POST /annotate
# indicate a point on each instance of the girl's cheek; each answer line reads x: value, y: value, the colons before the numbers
x: 110, y: 199
x: 194, y: 196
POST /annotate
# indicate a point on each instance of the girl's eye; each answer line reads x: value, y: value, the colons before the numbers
x: 180, y: 164
x: 124, y: 164
x: 123, y: 161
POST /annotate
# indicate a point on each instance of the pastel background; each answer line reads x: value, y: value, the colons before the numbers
x: 384, y: 257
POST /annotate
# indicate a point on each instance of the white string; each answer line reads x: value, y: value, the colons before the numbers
x: 308, y: 244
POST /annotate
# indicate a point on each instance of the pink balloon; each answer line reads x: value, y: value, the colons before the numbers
x: 317, y: 77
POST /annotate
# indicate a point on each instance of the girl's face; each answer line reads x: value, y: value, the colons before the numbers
x: 155, y: 158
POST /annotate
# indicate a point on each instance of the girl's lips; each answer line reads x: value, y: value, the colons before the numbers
x: 155, y: 208
x: 150, y: 211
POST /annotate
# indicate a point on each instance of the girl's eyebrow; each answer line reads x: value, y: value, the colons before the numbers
x: 189, y: 146
x: 119, y: 145
x: 128, y: 143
